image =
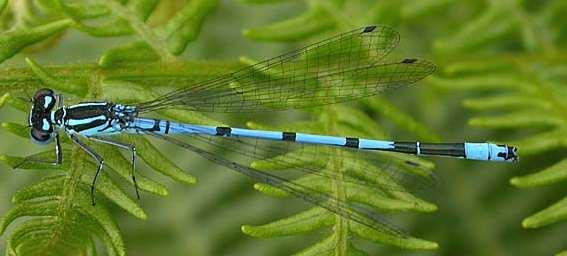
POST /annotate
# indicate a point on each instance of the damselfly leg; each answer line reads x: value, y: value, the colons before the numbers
x: 96, y: 156
x: 132, y: 149
x: 58, y: 152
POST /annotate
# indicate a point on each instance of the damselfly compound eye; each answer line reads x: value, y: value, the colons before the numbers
x: 42, y: 93
x: 40, y: 136
x: 44, y: 99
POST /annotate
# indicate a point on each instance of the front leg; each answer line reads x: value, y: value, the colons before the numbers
x: 132, y: 149
x: 58, y: 151
x: 96, y: 156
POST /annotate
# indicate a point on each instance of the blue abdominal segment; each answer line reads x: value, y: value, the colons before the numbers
x: 489, y: 152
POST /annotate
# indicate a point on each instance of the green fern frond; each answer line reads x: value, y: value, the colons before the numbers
x: 59, y: 77
x: 342, y: 120
x: 319, y: 17
x: 55, y: 215
x: 313, y: 21
x: 505, y: 20
x: 535, y: 102
x: 24, y: 23
x: 516, y: 92
x: 494, y: 50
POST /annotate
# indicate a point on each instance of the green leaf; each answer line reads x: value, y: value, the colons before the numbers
x: 505, y: 57
x: 553, y: 174
x: 181, y: 29
x: 515, y: 91
x: 363, y: 182
x: 3, y: 4
x: 132, y: 52
x: 108, y: 188
x: 16, y: 129
x: 142, y: 30
x: 491, y: 24
x: 552, y: 214
x: 486, y: 82
x: 303, y: 222
x: 13, y: 42
x: 55, y: 214
x: 52, y: 82
x: 543, y: 142
x: 263, y: 1
x: 354, y: 181
x: 419, y: 8
x: 328, y: 247
x: 47, y: 187
x: 185, y: 26
x: 516, y: 120
x: 3, y: 99
x: 155, y: 159
x: 506, y: 102
x: 402, y: 120
x: 314, y: 21
x: 44, y: 208
x: 409, y: 243
x: 105, y: 221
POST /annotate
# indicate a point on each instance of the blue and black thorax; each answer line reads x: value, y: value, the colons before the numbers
x: 100, y: 118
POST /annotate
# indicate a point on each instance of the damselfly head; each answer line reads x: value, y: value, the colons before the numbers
x: 40, y: 115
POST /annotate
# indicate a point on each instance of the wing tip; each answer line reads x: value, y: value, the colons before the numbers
x: 429, y: 65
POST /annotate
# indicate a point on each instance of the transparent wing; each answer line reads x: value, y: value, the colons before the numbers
x: 383, y: 172
x: 243, y: 155
x: 338, y: 69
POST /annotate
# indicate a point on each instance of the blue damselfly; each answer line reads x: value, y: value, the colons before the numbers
x: 342, y: 68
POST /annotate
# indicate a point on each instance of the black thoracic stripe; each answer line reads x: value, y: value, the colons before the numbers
x: 352, y: 142
x: 88, y: 111
x: 89, y: 125
x: 167, y: 123
x: 156, y: 125
x: 224, y: 131
x: 288, y: 136
x: 59, y: 115
x: 444, y: 149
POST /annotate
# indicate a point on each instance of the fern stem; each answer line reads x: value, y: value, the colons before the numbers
x: 341, y: 224
x: 71, y: 184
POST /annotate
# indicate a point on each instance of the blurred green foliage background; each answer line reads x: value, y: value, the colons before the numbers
x: 502, y: 77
